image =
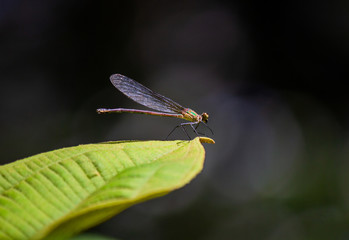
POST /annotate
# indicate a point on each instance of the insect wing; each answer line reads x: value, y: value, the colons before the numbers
x: 143, y: 95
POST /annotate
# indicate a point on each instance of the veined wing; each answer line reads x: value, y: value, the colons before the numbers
x: 143, y: 95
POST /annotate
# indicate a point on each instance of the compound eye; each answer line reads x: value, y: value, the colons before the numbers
x: 204, y: 117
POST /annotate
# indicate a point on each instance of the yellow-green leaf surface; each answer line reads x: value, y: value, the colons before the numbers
x: 56, y: 194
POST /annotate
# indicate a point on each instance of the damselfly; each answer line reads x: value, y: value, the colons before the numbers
x: 146, y: 97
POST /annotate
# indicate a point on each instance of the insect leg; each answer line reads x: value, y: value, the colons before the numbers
x: 172, y: 131
x: 182, y: 127
x: 191, y: 125
x: 197, y: 125
x: 208, y: 127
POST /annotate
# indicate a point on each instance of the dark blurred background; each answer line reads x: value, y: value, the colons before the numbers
x: 270, y: 74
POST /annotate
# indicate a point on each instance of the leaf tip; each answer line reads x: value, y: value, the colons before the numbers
x: 206, y: 140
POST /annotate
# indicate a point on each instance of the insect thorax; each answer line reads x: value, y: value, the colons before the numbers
x: 191, y: 115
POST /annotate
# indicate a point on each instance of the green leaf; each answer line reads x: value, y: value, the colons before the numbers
x: 57, y: 194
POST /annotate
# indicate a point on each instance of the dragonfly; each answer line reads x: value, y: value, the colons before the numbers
x: 166, y: 107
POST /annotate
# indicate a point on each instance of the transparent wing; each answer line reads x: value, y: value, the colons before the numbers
x: 143, y: 95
